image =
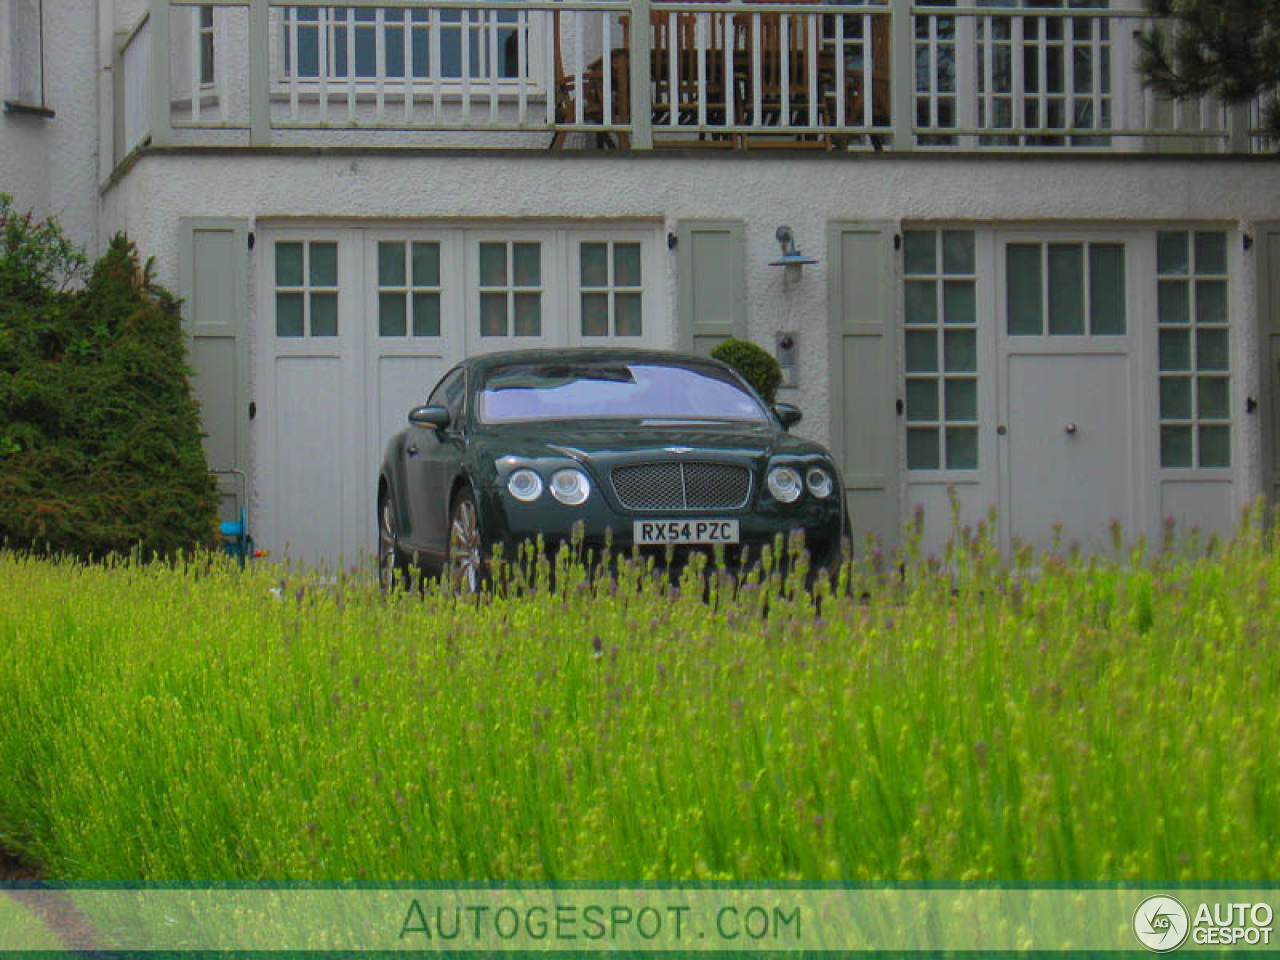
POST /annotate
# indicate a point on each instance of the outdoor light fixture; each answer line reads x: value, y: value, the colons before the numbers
x: 792, y: 259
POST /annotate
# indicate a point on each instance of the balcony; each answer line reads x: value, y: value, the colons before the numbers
x: 575, y: 74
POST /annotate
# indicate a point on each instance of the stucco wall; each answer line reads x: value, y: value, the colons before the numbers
x: 764, y: 190
x: 49, y: 165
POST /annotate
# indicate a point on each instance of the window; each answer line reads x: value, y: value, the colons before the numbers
x: 408, y: 289
x: 510, y: 289
x: 941, y: 345
x: 306, y: 289
x: 449, y: 393
x: 26, y: 56
x: 610, y: 289
x: 370, y: 43
x: 204, y: 30
x: 1084, y: 292
x: 1194, y: 349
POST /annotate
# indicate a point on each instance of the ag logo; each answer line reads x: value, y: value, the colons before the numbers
x: 1161, y: 924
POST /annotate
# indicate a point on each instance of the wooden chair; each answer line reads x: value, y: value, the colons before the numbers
x: 785, y: 62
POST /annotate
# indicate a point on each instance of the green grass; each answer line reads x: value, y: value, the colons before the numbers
x: 1099, y: 720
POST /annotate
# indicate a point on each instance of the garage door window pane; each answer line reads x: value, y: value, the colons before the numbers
x: 920, y: 255
x: 1175, y: 447
x: 426, y: 314
x: 922, y: 351
x: 960, y: 351
x: 1211, y: 253
x: 1211, y: 301
x: 1212, y: 401
x: 962, y: 448
x: 1171, y: 254
x: 595, y: 265
x: 922, y: 400
x: 288, y: 264
x: 324, y: 314
x: 962, y: 399
x: 426, y: 264
x: 627, y: 310
x: 626, y: 264
x: 528, y: 264
x: 1215, y: 446
x: 922, y: 449
x: 289, y: 315
x: 493, y: 264
x: 493, y: 314
x: 391, y: 265
x: 528, y: 315
x: 392, y: 320
x: 957, y: 251
x: 1211, y: 350
x: 324, y: 265
x: 1024, y: 294
x: 1106, y: 289
x: 1175, y: 350
x: 922, y: 302
x: 1175, y: 398
x: 1066, y: 289
x: 595, y: 314
x: 958, y: 304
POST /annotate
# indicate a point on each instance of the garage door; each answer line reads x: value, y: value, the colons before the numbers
x: 356, y: 325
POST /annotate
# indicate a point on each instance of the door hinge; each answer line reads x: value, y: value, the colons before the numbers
x: 253, y: 409
x: 899, y: 405
x: 897, y: 241
x: 251, y: 240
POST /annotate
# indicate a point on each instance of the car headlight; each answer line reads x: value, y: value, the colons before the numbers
x: 525, y: 485
x: 785, y: 484
x: 819, y: 482
x: 570, y: 487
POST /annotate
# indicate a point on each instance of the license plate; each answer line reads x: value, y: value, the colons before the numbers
x: 685, y: 531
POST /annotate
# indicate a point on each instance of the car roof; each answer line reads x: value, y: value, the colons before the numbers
x: 584, y: 354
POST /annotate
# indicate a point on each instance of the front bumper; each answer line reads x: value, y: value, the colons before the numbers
x: 599, y: 527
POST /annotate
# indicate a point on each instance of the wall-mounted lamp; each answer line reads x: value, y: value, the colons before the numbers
x: 792, y: 259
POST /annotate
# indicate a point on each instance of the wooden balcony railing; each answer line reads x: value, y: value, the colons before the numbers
x: 646, y: 73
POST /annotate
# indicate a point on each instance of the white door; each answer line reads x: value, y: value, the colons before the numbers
x: 1069, y: 422
x: 309, y: 398
x: 1069, y: 445
x: 413, y: 334
x: 355, y: 327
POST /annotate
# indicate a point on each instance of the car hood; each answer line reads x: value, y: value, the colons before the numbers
x: 629, y: 440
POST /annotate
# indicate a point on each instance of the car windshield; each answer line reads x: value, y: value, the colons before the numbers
x: 594, y: 389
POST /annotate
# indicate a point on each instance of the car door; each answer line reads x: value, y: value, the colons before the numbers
x: 431, y: 458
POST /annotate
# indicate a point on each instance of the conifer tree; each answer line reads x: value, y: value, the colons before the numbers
x: 1227, y: 48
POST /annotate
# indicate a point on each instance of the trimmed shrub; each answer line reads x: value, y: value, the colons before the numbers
x: 757, y: 365
x: 99, y: 435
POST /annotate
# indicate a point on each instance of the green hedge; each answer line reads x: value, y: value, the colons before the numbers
x: 756, y: 364
x: 99, y: 435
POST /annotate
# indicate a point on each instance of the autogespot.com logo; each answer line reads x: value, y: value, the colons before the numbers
x: 1161, y: 924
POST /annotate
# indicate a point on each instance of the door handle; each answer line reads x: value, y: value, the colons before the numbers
x: 1070, y: 428
x: 411, y: 450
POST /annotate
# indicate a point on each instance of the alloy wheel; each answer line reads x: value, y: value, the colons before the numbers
x: 465, y: 555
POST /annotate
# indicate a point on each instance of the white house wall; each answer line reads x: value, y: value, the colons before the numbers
x: 764, y: 191
x: 49, y: 164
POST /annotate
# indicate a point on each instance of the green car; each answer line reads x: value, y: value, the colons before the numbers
x: 659, y: 451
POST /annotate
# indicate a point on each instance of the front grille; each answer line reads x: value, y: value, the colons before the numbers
x: 682, y: 486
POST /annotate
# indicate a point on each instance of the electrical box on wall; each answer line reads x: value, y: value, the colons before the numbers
x: 785, y: 350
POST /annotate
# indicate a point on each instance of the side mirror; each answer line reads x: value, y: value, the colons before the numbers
x: 435, y: 418
x: 788, y: 414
